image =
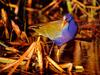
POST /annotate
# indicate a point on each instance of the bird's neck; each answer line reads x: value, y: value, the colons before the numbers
x: 71, y: 19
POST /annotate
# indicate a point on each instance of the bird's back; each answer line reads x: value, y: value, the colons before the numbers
x: 51, y: 30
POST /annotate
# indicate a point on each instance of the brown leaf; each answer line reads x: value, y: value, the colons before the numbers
x: 17, y: 43
x: 12, y: 49
x: 24, y: 36
x: 16, y: 28
x: 4, y: 15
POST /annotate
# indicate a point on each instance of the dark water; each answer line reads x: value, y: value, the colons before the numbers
x: 84, y: 53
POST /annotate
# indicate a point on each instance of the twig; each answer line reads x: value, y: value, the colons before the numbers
x: 55, y: 64
x: 22, y: 57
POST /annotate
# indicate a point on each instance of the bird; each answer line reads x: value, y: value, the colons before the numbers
x: 61, y: 31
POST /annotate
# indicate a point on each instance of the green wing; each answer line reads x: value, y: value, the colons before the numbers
x: 51, y: 30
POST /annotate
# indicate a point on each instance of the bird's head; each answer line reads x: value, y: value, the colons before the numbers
x: 67, y: 17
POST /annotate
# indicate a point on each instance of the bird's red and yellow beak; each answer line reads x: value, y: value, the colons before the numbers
x: 64, y: 22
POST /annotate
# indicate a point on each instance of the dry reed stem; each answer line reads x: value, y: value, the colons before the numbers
x: 4, y: 15
x: 16, y: 9
x: 27, y: 65
x: 2, y: 44
x: 93, y: 7
x: 17, y: 43
x: 53, y: 7
x: 79, y: 3
x: 52, y: 3
x: 27, y: 8
x: 4, y: 20
x: 24, y: 36
x: 32, y: 47
x: 77, y: 53
x: 8, y: 61
x: 55, y: 64
x: 16, y: 28
x: 29, y: 13
x: 11, y: 49
x: 9, y: 65
x: 84, y: 11
x: 39, y: 55
x: 29, y: 56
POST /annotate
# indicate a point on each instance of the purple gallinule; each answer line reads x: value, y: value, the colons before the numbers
x: 60, y: 31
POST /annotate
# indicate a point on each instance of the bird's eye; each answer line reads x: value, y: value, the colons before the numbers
x: 65, y: 18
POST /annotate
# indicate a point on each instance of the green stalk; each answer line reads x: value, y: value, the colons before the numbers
x: 92, y: 10
x: 1, y: 43
x: 70, y: 9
